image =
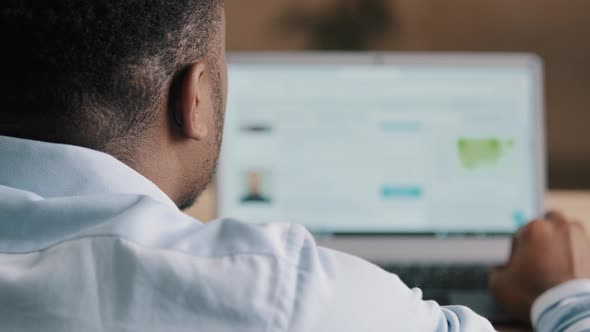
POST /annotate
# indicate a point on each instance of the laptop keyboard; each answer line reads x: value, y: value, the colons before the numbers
x: 453, y: 284
x: 464, y: 277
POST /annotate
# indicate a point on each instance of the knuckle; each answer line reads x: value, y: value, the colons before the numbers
x: 536, y: 225
x: 562, y: 222
x: 555, y: 215
x: 536, y: 228
x: 530, y: 225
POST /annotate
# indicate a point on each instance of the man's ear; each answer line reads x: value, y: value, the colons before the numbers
x: 191, y: 102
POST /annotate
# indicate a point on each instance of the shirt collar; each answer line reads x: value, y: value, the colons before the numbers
x: 57, y: 170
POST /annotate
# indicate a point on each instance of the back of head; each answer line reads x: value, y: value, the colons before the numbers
x: 92, y: 73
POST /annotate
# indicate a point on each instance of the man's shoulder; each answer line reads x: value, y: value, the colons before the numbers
x: 282, y: 242
x: 32, y: 224
x: 216, y: 276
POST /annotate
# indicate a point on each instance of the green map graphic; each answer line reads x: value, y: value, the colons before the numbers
x: 482, y: 152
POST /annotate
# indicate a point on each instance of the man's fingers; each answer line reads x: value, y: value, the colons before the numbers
x: 499, y: 275
x: 498, y: 282
x: 507, y: 293
x: 495, y: 273
x: 513, y: 248
x: 555, y: 216
x: 562, y: 223
x: 538, y: 230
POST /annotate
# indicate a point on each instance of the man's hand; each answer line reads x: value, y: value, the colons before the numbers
x: 545, y: 253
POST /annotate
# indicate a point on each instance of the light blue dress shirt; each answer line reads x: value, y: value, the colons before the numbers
x: 88, y: 244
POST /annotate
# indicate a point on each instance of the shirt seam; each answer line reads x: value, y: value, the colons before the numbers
x: 282, y: 318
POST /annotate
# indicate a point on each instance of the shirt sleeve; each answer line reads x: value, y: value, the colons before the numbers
x: 564, y: 308
x: 339, y: 292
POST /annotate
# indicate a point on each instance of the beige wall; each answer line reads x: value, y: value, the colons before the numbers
x: 557, y: 30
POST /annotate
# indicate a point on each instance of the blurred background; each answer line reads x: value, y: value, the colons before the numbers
x: 555, y: 30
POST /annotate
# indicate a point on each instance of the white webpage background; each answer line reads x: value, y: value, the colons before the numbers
x: 339, y: 136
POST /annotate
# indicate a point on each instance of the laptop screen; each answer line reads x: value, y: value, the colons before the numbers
x: 381, y: 147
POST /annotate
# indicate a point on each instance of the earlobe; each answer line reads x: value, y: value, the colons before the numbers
x: 200, y: 126
x: 191, y: 104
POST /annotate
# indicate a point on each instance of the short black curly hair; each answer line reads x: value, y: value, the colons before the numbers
x: 91, y: 72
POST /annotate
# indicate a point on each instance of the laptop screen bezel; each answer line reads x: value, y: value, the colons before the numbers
x: 416, y: 58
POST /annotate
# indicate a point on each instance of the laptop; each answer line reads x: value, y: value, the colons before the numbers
x: 424, y: 164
